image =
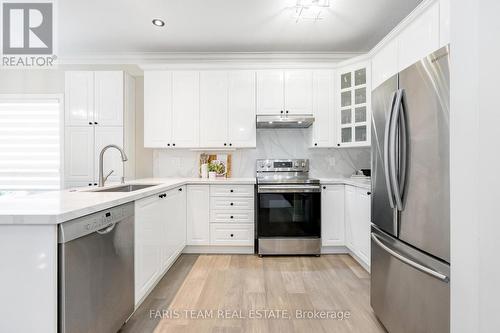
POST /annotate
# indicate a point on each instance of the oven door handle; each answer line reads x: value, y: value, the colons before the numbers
x: 288, y: 188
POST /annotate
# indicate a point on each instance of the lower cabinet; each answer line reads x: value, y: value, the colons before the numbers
x: 198, y: 212
x: 160, y: 236
x: 345, y: 219
x: 332, y: 215
x: 357, y: 222
x: 220, y: 215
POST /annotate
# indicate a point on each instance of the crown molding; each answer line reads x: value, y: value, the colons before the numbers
x: 158, y: 60
x: 419, y: 10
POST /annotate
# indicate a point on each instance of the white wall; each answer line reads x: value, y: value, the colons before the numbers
x: 271, y: 143
x: 475, y: 155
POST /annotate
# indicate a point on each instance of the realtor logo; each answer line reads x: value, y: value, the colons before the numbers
x: 27, y: 34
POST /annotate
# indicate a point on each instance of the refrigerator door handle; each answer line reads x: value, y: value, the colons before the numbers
x: 416, y: 265
x: 387, y: 137
x: 393, y: 150
x: 403, y: 148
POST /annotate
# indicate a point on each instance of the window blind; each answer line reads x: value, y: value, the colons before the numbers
x: 30, y: 144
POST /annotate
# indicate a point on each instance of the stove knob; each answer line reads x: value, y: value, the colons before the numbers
x: 269, y: 165
x: 296, y: 164
x: 303, y: 164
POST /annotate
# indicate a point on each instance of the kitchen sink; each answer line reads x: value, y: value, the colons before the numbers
x: 125, y: 188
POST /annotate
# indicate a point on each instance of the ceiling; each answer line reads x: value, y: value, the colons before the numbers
x: 124, y: 26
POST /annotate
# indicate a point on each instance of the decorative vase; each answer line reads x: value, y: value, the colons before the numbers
x: 212, y: 175
x: 204, y: 170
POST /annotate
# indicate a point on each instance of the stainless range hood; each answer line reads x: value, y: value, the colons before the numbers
x: 289, y: 121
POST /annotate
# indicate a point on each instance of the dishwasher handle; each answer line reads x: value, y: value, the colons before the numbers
x: 106, y: 230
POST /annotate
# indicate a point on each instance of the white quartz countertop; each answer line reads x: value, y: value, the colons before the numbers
x: 56, y: 207
x: 358, y: 182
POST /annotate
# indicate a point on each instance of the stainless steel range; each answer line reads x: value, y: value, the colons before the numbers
x: 288, y: 208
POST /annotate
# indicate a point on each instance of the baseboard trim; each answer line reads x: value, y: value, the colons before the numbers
x: 334, y: 250
x: 216, y: 249
x: 360, y: 261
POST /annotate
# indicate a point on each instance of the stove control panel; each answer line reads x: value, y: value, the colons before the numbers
x: 292, y: 165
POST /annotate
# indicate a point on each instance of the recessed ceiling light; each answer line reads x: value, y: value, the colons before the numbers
x: 158, y: 22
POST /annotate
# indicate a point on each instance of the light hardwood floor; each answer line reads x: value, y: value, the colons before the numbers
x: 238, y: 284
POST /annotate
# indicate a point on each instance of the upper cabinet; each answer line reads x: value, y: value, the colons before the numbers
x: 94, y: 98
x: 323, y: 128
x: 171, y: 109
x: 157, y: 108
x: 227, y: 109
x: 284, y: 92
x: 419, y: 38
x: 353, y: 105
x: 185, y: 109
x: 426, y: 30
x: 209, y: 109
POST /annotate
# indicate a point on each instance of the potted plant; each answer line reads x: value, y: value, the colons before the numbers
x: 216, y: 169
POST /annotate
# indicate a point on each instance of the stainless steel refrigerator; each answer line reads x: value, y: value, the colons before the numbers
x: 410, y: 236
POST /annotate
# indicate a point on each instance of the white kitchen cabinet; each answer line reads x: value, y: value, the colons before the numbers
x: 185, y: 109
x: 241, y: 118
x: 298, y: 92
x: 174, y: 226
x: 94, y: 98
x: 198, y: 213
x: 157, y: 108
x: 214, y: 109
x: 357, y: 222
x: 270, y: 92
x: 79, y: 98
x: 94, y: 117
x: 420, y: 37
x: 353, y: 105
x: 234, y: 234
x: 332, y: 215
x: 385, y: 63
x: 350, y: 215
x: 160, y: 236
x: 149, y: 230
x: 171, y: 109
x: 227, y: 109
x: 323, y: 130
x: 79, y: 155
x: 108, y: 94
x: 363, y: 222
x: 112, y: 160
x: 284, y: 92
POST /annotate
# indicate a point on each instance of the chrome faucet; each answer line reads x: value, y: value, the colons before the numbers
x: 102, y: 179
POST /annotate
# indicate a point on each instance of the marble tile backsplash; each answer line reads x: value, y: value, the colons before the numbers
x: 271, y: 143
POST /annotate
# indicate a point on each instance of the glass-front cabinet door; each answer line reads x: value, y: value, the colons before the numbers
x: 353, y: 106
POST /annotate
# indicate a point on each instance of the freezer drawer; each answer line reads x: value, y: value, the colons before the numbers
x: 410, y: 291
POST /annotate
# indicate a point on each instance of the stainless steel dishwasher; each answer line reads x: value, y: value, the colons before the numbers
x: 96, y: 271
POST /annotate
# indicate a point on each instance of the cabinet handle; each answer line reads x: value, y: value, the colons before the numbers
x: 287, y: 111
x: 95, y: 122
x: 230, y: 144
x: 168, y: 144
x: 232, y: 235
x: 180, y: 190
x: 231, y: 191
x: 95, y: 184
x: 338, y: 144
x: 232, y: 216
x: 281, y: 111
x: 315, y: 144
x: 173, y: 144
x: 90, y: 184
x: 90, y: 123
x: 324, y: 187
x: 368, y: 193
x: 231, y: 203
x: 225, y: 144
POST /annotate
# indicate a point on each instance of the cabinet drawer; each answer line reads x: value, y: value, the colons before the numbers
x: 235, y: 203
x: 231, y: 190
x: 231, y: 234
x: 237, y: 216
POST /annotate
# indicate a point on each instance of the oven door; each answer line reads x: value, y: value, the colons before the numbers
x: 289, y: 211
